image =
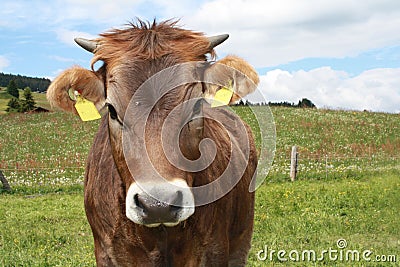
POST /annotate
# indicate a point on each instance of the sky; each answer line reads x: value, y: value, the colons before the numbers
x: 342, y: 54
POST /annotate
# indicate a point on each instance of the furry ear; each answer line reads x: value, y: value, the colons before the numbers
x: 86, y: 82
x: 233, y: 71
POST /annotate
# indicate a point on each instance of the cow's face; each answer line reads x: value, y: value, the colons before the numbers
x: 155, y: 120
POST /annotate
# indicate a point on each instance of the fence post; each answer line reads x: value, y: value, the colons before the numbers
x: 326, y: 166
x: 3, y: 180
x: 293, y: 163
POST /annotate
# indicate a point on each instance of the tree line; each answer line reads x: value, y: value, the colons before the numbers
x: 36, y: 84
x: 303, y: 103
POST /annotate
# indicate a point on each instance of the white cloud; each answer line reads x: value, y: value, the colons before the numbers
x: 375, y: 90
x: 66, y: 13
x: 4, y: 63
x: 54, y: 74
x: 67, y: 36
x: 75, y: 12
x: 266, y: 33
x: 269, y: 33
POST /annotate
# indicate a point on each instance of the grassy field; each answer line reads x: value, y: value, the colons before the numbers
x: 40, y: 99
x: 315, y: 215
x: 348, y: 188
x: 51, y: 229
x: 4, y: 98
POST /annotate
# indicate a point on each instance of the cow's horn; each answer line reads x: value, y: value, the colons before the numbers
x: 86, y: 44
x: 216, y: 40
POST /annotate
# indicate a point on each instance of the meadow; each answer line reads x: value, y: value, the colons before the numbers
x: 40, y: 99
x: 348, y: 188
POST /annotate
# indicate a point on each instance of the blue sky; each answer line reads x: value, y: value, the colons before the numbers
x: 340, y: 54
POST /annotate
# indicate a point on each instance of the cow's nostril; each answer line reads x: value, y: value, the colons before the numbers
x: 138, y: 203
x: 176, y: 203
x: 156, y: 211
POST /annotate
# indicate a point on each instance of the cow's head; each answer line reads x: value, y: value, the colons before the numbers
x: 145, y: 119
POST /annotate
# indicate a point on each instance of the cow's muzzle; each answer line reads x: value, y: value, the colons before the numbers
x: 153, y: 204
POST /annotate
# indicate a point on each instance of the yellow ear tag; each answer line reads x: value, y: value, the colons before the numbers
x: 86, y: 109
x: 222, y: 97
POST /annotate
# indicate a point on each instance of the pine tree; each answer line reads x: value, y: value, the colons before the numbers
x: 12, y: 89
x: 306, y: 103
x: 29, y: 103
x: 13, y: 105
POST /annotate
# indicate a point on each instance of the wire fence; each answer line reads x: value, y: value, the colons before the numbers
x: 58, y: 174
x: 333, y: 166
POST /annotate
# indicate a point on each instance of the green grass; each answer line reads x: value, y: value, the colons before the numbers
x: 314, y: 215
x: 4, y: 98
x: 358, y: 142
x: 332, y: 144
x: 40, y: 99
x: 44, y: 230
x: 44, y: 152
x: 4, y: 94
x: 354, y: 196
x: 51, y: 229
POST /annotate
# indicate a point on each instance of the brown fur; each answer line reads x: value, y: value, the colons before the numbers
x: 217, y: 234
x: 79, y: 79
x: 144, y: 41
x: 249, y: 72
x: 239, y: 64
x: 239, y: 74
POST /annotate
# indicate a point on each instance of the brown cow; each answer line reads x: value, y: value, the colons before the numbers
x: 157, y: 191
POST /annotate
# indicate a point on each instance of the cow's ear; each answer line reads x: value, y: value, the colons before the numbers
x: 88, y: 83
x: 232, y: 72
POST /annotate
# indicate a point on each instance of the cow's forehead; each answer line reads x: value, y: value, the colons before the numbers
x: 150, y: 42
x: 161, y: 85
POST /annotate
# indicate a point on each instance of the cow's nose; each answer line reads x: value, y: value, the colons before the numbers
x: 155, y: 211
x: 151, y: 204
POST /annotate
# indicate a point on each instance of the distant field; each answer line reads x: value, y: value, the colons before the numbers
x: 348, y: 184
x: 4, y: 98
x: 332, y: 145
x: 40, y: 99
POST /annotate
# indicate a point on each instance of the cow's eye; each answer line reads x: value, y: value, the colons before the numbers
x: 113, y: 113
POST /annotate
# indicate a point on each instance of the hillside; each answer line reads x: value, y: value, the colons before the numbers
x: 40, y: 99
x: 332, y: 144
x: 4, y: 98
